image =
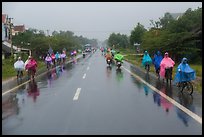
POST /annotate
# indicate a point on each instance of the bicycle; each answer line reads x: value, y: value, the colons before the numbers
x: 31, y: 74
x: 186, y: 85
x: 147, y: 67
x: 19, y: 74
x: 168, y: 74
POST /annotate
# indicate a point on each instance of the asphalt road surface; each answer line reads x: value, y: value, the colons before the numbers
x: 87, y: 97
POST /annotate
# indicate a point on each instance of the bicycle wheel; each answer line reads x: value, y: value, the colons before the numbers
x: 188, y: 87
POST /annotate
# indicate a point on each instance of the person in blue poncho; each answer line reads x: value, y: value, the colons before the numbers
x: 156, y: 61
x: 146, y: 61
x: 184, y: 72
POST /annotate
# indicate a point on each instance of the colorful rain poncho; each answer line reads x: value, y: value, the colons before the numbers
x: 57, y: 56
x: 19, y: 65
x: 63, y: 55
x: 48, y: 59
x: 118, y: 57
x: 184, y: 72
x: 165, y: 63
x: 146, y: 59
x: 157, y: 60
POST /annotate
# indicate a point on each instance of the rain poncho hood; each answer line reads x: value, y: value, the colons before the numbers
x: 157, y: 59
x: 184, y: 72
x: 118, y: 57
x: 146, y: 59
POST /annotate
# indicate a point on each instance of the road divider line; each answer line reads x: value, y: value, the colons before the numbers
x: 184, y: 109
x: 84, y: 76
x: 76, y: 96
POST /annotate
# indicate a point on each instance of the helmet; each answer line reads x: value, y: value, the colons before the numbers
x: 29, y: 57
x: 19, y: 58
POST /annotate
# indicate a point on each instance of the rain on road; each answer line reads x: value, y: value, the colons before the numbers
x: 87, y: 97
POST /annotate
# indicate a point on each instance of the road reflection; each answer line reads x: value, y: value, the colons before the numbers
x: 9, y: 105
x: 145, y: 87
x: 187, y: 101
x: 108, y: 71
x: 184, y: 99
x: 119, y: 74
x: 33, y: 90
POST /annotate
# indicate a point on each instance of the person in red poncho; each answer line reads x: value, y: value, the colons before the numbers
x: 31, y: 65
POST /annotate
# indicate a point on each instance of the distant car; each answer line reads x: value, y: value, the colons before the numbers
x: 88, y: 50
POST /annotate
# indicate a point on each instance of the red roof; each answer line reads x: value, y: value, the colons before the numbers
x: 4, y: 18
x: 19, y: 28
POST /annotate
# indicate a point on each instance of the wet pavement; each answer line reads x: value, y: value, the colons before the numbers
x: 88, y: 97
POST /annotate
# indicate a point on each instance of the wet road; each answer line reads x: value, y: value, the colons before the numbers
x: 87, y: 97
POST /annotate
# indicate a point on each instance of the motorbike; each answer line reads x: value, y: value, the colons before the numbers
x: 109, y: 62
x: 119, y: 64
x: 84, y: 55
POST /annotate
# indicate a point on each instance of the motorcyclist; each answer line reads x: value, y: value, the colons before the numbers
x: 84, y: 54
x: 19, y: 66
x: 166, y: 62
x: 146, y: 60
x: 118, y: 57
x: 112, y: 52
x: 108, y: 56
x: 184, y: 72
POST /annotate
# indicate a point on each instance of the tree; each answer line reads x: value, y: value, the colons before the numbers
x: 118, y: 40
x: 136, y: 34
x: 166, y: 20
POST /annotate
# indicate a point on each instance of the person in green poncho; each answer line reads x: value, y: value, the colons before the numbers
x: 118, y: 57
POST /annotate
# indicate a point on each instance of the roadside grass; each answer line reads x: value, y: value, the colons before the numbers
x: 8, y: 70
x: 137, y: 61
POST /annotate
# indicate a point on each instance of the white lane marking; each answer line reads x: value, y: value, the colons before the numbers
x: 76, y: 96
x: 15, y: 88
x: 4, y: 93
x: 84, y: 76
x: 87, y: 68
x: 187, y: 111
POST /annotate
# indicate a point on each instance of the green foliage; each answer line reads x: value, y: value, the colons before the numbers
x: 118, y: 40
x: 137, y: 33
x: 39, y: 43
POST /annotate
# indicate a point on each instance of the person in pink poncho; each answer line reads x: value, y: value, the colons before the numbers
x: 31, y: 65
x: 166, y: 62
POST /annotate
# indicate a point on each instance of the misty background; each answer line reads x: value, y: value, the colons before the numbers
x: 91, y: 19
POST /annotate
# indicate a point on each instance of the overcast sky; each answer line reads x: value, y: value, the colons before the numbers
x: 91, y: 19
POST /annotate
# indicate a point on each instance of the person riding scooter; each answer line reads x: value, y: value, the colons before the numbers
x: 119, y: 59
x: 108, y: 57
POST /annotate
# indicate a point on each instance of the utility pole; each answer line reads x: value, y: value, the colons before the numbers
x: 10, y: 27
